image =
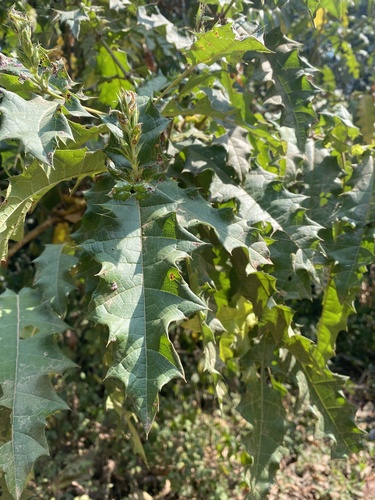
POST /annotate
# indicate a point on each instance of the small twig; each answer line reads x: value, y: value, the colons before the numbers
x: 224, y: 14
x: 114, y: 58
x: 175, y: 82
x: 31, y: 235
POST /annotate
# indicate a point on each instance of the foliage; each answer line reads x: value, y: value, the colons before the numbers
x: 222, y: 181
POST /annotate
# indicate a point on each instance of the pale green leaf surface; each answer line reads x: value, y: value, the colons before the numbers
x: 52, y: 276
x: 238, y: 149
x: 365, y: 114
x: 221, y: 42
x: 140, y: 290
x: 354, y: 247
x: 73, y: 19
x: 27, y: 188
x: 13, y: 83
x: 112, y: 80
x: 36, y: 123
x: 27, y: 358
x: 75, y: 108
x: 333, y: 319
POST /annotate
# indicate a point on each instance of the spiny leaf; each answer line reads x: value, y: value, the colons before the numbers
x: 200, y: 157
x: 262, y: 407
x: 36, y: 123
x: 221, y: 42
x: 73, y: 19
x: 294, y: 243
x: 232, y: 232
x: 140, y: 291
x: 28, y: 356
x: 333, y: 319
x: 323, y: 184
x: 238, y: 148
x: 336, y: 416
x: 292, y: 88
x: 323, y: 390
x: 354, y: 248
x: 27, y: 188
x: 52, y: 276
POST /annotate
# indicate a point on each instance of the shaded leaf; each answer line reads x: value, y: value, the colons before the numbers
x: 262, y: 407
x: 292, y: 88
x: 52, y: 276
x: 28, y: 356
x: 353, y: 248
x: 73, y: 19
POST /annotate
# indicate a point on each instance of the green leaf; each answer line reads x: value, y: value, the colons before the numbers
x: 232, y: 231
x: 335, y: 415
x: 153, y: 124
x: 27, y: 358
x: 213, y: 105
x: 36, y: 123
x: 323, y: 390
x: 333, y: 320
x: 72, y: 19
x: 263, y: 408
x: 20, y: 84
x: 74, y: 107
x: 238, y: 148
x: 365, y: 114
x: 323, y: 184
x: 52, y: 276
x: 112, y: 77
x: 223, y: 187
x: 27, y: 188
x: 291, y: 86
x: 335, y: 7
x: 295, y: 240
x: 221, y: 42
x: 353, y: 248
x: 140, y: 291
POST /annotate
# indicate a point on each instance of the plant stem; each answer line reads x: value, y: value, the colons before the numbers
x: 224, y: 15
x: 175, y: 82
x: 31, y: 235
x: 113, y: 56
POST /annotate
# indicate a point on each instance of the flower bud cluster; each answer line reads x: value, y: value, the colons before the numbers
x: 27, y: 52
x: 128, y: 119
x: 36, y: 59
